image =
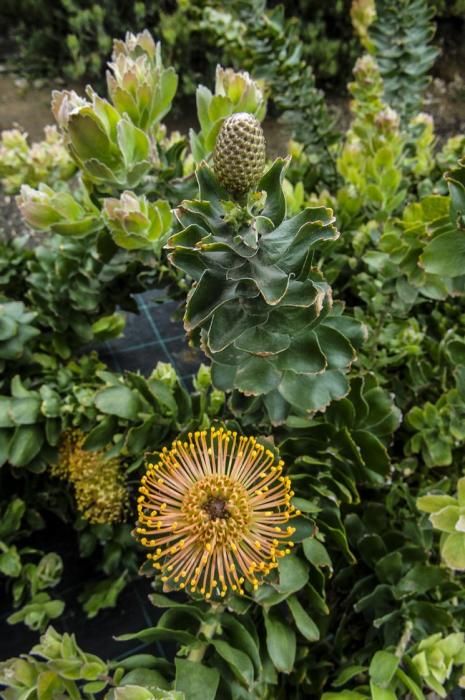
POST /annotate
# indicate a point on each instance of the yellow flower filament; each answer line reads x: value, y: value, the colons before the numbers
x: 213, y: 511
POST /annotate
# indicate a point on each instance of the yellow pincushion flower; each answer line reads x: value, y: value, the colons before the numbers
x: 98, y: 483
x: 213, y: 511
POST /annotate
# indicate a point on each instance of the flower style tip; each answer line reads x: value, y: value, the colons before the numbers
x: 213, y: 512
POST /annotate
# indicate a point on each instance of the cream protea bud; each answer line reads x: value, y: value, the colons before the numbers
x: 239, y: 155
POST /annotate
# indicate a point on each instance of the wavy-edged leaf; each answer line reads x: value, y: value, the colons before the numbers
x: 313, y: 393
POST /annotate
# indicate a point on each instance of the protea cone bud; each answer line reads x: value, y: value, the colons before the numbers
x: 239, y: 156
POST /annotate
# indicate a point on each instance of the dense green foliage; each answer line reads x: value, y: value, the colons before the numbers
x: 401, y: 37
x: 328, y: 301
x: 37, y: 31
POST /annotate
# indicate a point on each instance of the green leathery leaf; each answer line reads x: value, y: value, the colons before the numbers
x: 432, y: 502
x: 461, y: 491
x: 230, y: 324
x: 383, y: 667
x: 267, y: 596
x: 118, y: 401
x: 210, y: 189
x: 210, y: 293
x: 453, y: 551
x: 130, y: 663
x: 18, y: 390
x: 379, y: 693
x: 298, y: 256
x: 188, y: 238
x: 163, y: 601
x: 11, y: 518
x: 223, y: 376
x: 271, y: 182
x: 316, y: 553
x: 89, y: 139
x: 153, y: 634
x: 350, y: 328
x: 25, y: 444
x: 53, y: 430
x: 446, y: 519
x: 420, y: 579
x: 347, y: 674
x: 132, y: 692
x: 316, y: 600
x: 292, y: 239
x: 335, y: 347
x: 313, y: 393
x: 163, y: 394
x: 262, y: 342
x: 220, y: 107
x: 257, y: 376
x: 237, y: 660
x: 280, y: 643
x: 145, y: 677
x: 304, y: 355
x: 445, y: 255
x: 410, y: 684
x: 305, y: 292
x: 8, y: 328
x: 303, y: 528
x: 372, y: 450
x: 203, y: 98
x: 177, y: 617
x: 270, y: 280
x: 134, y: 143
x: 6, y: 420
x: 305, y: 506
x: 102, y: 434
x: 293, y: 574
x: 10, y: 562
x: 455, y: 179
x: 277, y: 408
x: 189, y: 262
x: 302, y: 619
x: 241, y: 638
x: 137, y: 439
x: 389, y: 567
x: 25, y: 411
x: 197, y: 681
x: 103, y: 594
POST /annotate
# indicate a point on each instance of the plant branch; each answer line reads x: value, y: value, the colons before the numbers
x: 207, y: 629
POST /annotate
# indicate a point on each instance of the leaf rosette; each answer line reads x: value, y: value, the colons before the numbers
x: 138, y: 83
x: 447, y: 514
x: 58, y: 212
x: 260, y: 309
x: 135, y: 223
x: 107, y: 147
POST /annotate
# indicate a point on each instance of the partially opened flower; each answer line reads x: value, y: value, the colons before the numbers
x: 213, y: 511
x: 98, y: 481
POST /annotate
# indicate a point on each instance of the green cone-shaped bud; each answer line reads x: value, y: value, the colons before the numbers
x: 240, y: 152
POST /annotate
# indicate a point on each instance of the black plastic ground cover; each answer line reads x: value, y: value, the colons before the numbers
x: 152, y: 336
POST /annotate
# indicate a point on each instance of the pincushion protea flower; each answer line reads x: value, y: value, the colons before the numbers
x: 214, y: 511
x: 98, y: 482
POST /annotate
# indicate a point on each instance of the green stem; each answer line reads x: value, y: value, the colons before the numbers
x: 404, y: 640
x: 207, y: 629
